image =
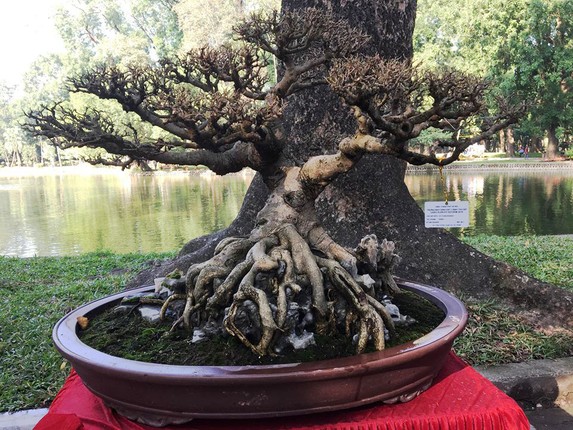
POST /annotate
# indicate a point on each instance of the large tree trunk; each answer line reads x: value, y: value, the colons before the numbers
x: 373, y: 198
x: 501, y: 145
x: 509, y: 142
x: 552, y: 151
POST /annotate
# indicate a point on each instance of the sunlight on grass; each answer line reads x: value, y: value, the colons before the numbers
x: 548, y: 258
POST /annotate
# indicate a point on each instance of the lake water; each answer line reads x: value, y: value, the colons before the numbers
x: 72, y: 212
x: 504, y: 203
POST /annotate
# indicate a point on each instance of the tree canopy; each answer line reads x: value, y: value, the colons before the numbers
x: 523, y: 47
x: 209, y: 100
x: 487, y: 38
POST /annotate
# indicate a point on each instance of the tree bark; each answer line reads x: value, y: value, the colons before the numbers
x: 552, y: 151
x: 509, y: 142
x: 501, y: 146
x: 373, y: 199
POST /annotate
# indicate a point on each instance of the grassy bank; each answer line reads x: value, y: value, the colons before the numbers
x: 36, y: 292
x: 549, y: 258
x: 492, y: 335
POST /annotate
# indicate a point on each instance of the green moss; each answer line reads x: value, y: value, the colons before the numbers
x: 129, y: 336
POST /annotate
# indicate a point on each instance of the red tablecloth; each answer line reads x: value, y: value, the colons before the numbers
x: 460, y: 399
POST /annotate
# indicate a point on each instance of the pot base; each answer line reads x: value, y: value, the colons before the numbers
x: 159, y: 395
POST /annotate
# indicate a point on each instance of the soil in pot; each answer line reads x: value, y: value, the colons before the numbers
x: 130, y: 336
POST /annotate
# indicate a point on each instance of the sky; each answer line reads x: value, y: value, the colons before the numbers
x: 27, y: 31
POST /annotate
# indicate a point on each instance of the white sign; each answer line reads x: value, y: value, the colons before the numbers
x: 451, y: 214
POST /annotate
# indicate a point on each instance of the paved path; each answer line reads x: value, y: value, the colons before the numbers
x: 23, y: 420
x: 550, y: 419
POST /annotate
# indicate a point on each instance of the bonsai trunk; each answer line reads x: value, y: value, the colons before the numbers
x: 288, y: 278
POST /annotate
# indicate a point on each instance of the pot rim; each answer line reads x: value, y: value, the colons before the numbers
x: 71, y: 347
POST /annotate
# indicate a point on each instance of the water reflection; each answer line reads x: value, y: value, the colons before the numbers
x: 508, y: 203
x: 66, y: 214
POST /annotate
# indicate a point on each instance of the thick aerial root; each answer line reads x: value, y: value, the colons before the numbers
x: 305, y: 263
x: 288, y: 281
x: 268, y: 326
x: 200, y: 276
x: 371, y: 323
x: 276, y: 288
x: 383, y: 312
x: 387, y: 260
x: 222, y: 294
x: 321, y: 241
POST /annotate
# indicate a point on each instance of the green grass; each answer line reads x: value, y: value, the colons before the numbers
x: 493, y: 336
x: 35, y: 293
x: 549, y: 258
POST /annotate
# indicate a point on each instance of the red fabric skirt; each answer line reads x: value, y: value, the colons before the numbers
x: 460, y: 399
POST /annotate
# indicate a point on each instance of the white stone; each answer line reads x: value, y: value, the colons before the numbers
x: 303, y: 341
x: 393, y: 310
x: 149, y: 313
x: 198, y: 336
x: 158, y: 284
x: 367, y: 281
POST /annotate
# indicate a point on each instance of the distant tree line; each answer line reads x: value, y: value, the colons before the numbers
x: 525, y: 49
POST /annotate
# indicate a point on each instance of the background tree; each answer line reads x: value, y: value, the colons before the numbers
x: 541, y: 55
x: 6, y: 94
x: 117, y: 32
x: 94, y: 31
x: 16, y: 147
x: 211, y: 23
x: 523, y: 47
x: 470, y: 39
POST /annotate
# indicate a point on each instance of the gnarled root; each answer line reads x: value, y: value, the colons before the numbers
x: 269, y: 291
x: 268, y: 326
x: 371, y: 318
x: 305, y: 263
x: 201, y: 277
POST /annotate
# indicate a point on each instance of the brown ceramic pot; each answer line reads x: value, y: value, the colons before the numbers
x: 159, y: 394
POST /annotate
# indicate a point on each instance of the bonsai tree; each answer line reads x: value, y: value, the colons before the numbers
x: 219, y: 108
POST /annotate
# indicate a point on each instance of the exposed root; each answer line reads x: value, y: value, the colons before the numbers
x: 200, y: 277
x: 268, y: 291
x: 222, y: 294
x: 169, y: 300
x: 268, y: 325
x: 288, y: 281
x: 321, y: 241
x: 387, y: 260
x: 383, y: 312
x: 305, y: 263
x: 371, y: 322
